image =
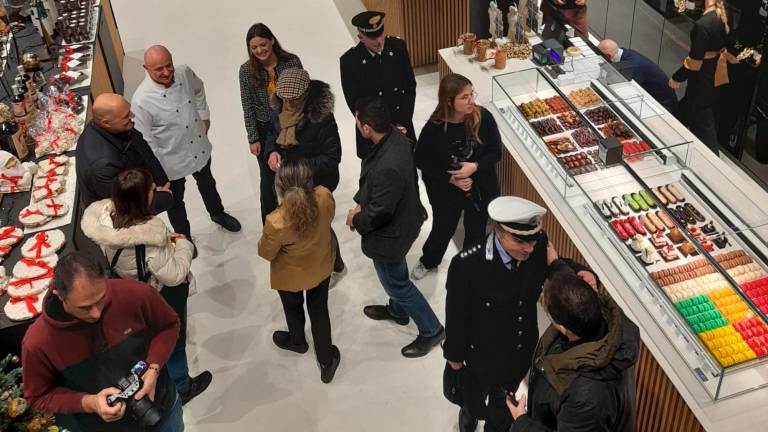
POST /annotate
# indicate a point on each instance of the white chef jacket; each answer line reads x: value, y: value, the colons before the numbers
x: 171, y: 120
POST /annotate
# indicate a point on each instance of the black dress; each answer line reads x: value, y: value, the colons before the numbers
x: 708, y: 39
x: 438, y: 143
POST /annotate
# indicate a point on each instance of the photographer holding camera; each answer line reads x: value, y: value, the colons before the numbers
x: 457, y: 153
x: 87, y: 346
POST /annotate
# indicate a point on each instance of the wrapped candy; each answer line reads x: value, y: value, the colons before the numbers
x: 14, y: 175
x: 55, y: 131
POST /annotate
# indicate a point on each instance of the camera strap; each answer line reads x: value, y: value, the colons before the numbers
x: 142, y: 272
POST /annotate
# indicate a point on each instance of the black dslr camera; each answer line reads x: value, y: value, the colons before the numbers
x: 462, y: 152
x: 143, y: 410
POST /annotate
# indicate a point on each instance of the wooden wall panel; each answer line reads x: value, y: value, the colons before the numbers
x: 109, y: 17
x: 100, y: 80
x: 425, y: 25
x: 660, y: 408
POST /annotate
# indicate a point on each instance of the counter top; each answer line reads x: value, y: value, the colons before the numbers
x: 743, y: 412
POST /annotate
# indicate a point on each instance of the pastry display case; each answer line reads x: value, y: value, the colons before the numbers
x: 697, y: 248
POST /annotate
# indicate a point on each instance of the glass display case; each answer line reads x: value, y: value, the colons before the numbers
x: 696, y: 247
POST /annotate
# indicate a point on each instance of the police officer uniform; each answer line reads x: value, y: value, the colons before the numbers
x: 491, y: 315
x: 387, y: 74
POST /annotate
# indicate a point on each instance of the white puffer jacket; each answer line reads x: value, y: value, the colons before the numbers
x: 169, y: 262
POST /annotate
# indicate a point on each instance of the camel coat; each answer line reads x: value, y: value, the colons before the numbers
x: 299, y: 264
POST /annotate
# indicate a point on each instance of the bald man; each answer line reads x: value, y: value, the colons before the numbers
x: 109, y: 145
x: 645, y: 72
x: 172, y: 113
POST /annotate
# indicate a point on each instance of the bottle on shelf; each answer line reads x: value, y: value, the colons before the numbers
x: 18, y: 102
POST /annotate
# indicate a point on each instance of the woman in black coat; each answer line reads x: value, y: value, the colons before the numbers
x: 457, y: 154
x: 308, y: 131
x: 258, y: 81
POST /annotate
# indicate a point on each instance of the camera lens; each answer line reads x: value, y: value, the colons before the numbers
x: 144, y: 411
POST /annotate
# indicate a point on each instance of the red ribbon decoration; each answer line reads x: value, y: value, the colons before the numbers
x: 4, y: 250
x: 47, y: 187
x: 41, y: 241
x: 14, y: 180
x: 70, y: 130
x: 30, y: 301
x: 55, y: 207
x: 52, y: 161
x: 55, y: 142
x: 48, y: 124
x: 8, y: 233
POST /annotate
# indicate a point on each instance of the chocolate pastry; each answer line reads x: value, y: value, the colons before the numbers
x: 676, y: 236
x: 668, y: 195
x: 677, y: 215
x: 694, y: 212
x: 560, y: 145
x: 687, y: 249
x: 641, y: 202
x: 673, y: 190
x: 648, y: 198
x: 584, y: 137
x: 623, y: 207
x: 631, y: 202
x: 665, y: 219
x: 604, y: 208
x: 656, y: 221
x: 721, y: 241
x: 649, y: 226
x: 546, y: 127
x: 660, y: 196
x: 684, y: 213
x: 708, y: 228
x: 570, y: 120
x: 618, y: 129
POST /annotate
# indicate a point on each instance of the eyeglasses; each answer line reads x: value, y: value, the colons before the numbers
x: 471, y: 96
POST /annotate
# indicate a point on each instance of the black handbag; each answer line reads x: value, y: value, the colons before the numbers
x: 454, y: 382
x: 142, y: 273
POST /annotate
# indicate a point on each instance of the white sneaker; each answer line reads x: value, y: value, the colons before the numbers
x: 419, y: 272
x: 336, y: 277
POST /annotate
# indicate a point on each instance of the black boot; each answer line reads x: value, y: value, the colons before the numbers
x: 195, y: 386
x: 327, y: 372
x: 423, y: 345
x: 382, y: 313
x: 283, y: 341
x: 467, y: 423
x: 227, y: 222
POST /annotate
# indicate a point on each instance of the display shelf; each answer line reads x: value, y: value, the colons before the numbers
x: 706, y: 276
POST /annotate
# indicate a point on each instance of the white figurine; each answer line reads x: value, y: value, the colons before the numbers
x: 492, y: 18
x: 512, y: 20
x: 522, y: 11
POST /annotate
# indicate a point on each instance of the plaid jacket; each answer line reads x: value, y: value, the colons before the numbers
x: 255, y: 100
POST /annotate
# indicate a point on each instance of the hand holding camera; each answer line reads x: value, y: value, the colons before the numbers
x: 136, y: 394
x: 98, y: 404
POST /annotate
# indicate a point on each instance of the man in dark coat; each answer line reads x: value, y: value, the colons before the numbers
x: 491, y: 316
x: 379, y: 66
x: 645, y: 72
x: 308, y: 131
x: 582, y: 377
x: 110, y: 145
x: 389, y: 216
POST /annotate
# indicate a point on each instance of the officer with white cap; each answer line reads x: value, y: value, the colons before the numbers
x: 491, y: 316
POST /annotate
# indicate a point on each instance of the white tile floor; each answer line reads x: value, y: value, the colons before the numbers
x: 255, y: 385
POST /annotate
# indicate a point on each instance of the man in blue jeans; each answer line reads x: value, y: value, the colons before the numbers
x: 389, y: 216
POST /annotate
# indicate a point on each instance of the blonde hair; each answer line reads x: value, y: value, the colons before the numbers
x: 451, y: 86
x: 721, y: 13
x: 294, y: 186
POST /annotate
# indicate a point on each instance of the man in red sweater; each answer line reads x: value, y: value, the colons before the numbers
x: 92, y: 331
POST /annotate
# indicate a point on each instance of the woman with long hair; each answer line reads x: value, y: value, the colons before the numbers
x: 124, y: 227
x: 705, y: 69
x: 258, y: 81
x: 298, y: 243
x: 457, y: 153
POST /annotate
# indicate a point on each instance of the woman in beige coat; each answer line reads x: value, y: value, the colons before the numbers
x: 297, y: 241
x: 126, y: 221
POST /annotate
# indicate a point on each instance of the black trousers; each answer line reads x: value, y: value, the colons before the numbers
x: 206, y: 184
x: 496, y: 413
x: 317, y: 307
x: 267, y: 194
x: 445, y: 218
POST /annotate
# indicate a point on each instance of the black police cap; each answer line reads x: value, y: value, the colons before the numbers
x: 369, y: 23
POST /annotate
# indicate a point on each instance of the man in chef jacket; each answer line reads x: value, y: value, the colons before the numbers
x: 171, y: 112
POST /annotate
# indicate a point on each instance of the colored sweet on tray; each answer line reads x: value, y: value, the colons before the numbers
x: 556, y: 105
x: 584, y: 97
x: 644, y: 206
x: 570, y: 120
x: 584, y: 137
x: 676, y: 236
x: 634, y: 205
x: 618, y: 129
x: 647, y: 224
x: 687, y: 249
x: 633, y: 147
x: 619, y: 229
x: 708, y: 228
x: 648, y: 198
x: 636, y: 225
x: 535, y: 109
x: 622, y: 205
x: 559, y: 145
x: 656, y: 221
x: 693, y: 211
x: 546, y: 127
x: 600, y: 115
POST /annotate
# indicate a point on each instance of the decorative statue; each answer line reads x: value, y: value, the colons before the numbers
x: 496, y: 20
x: 533, y: 17
x: 522, y: 12
x: 512, y: 20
